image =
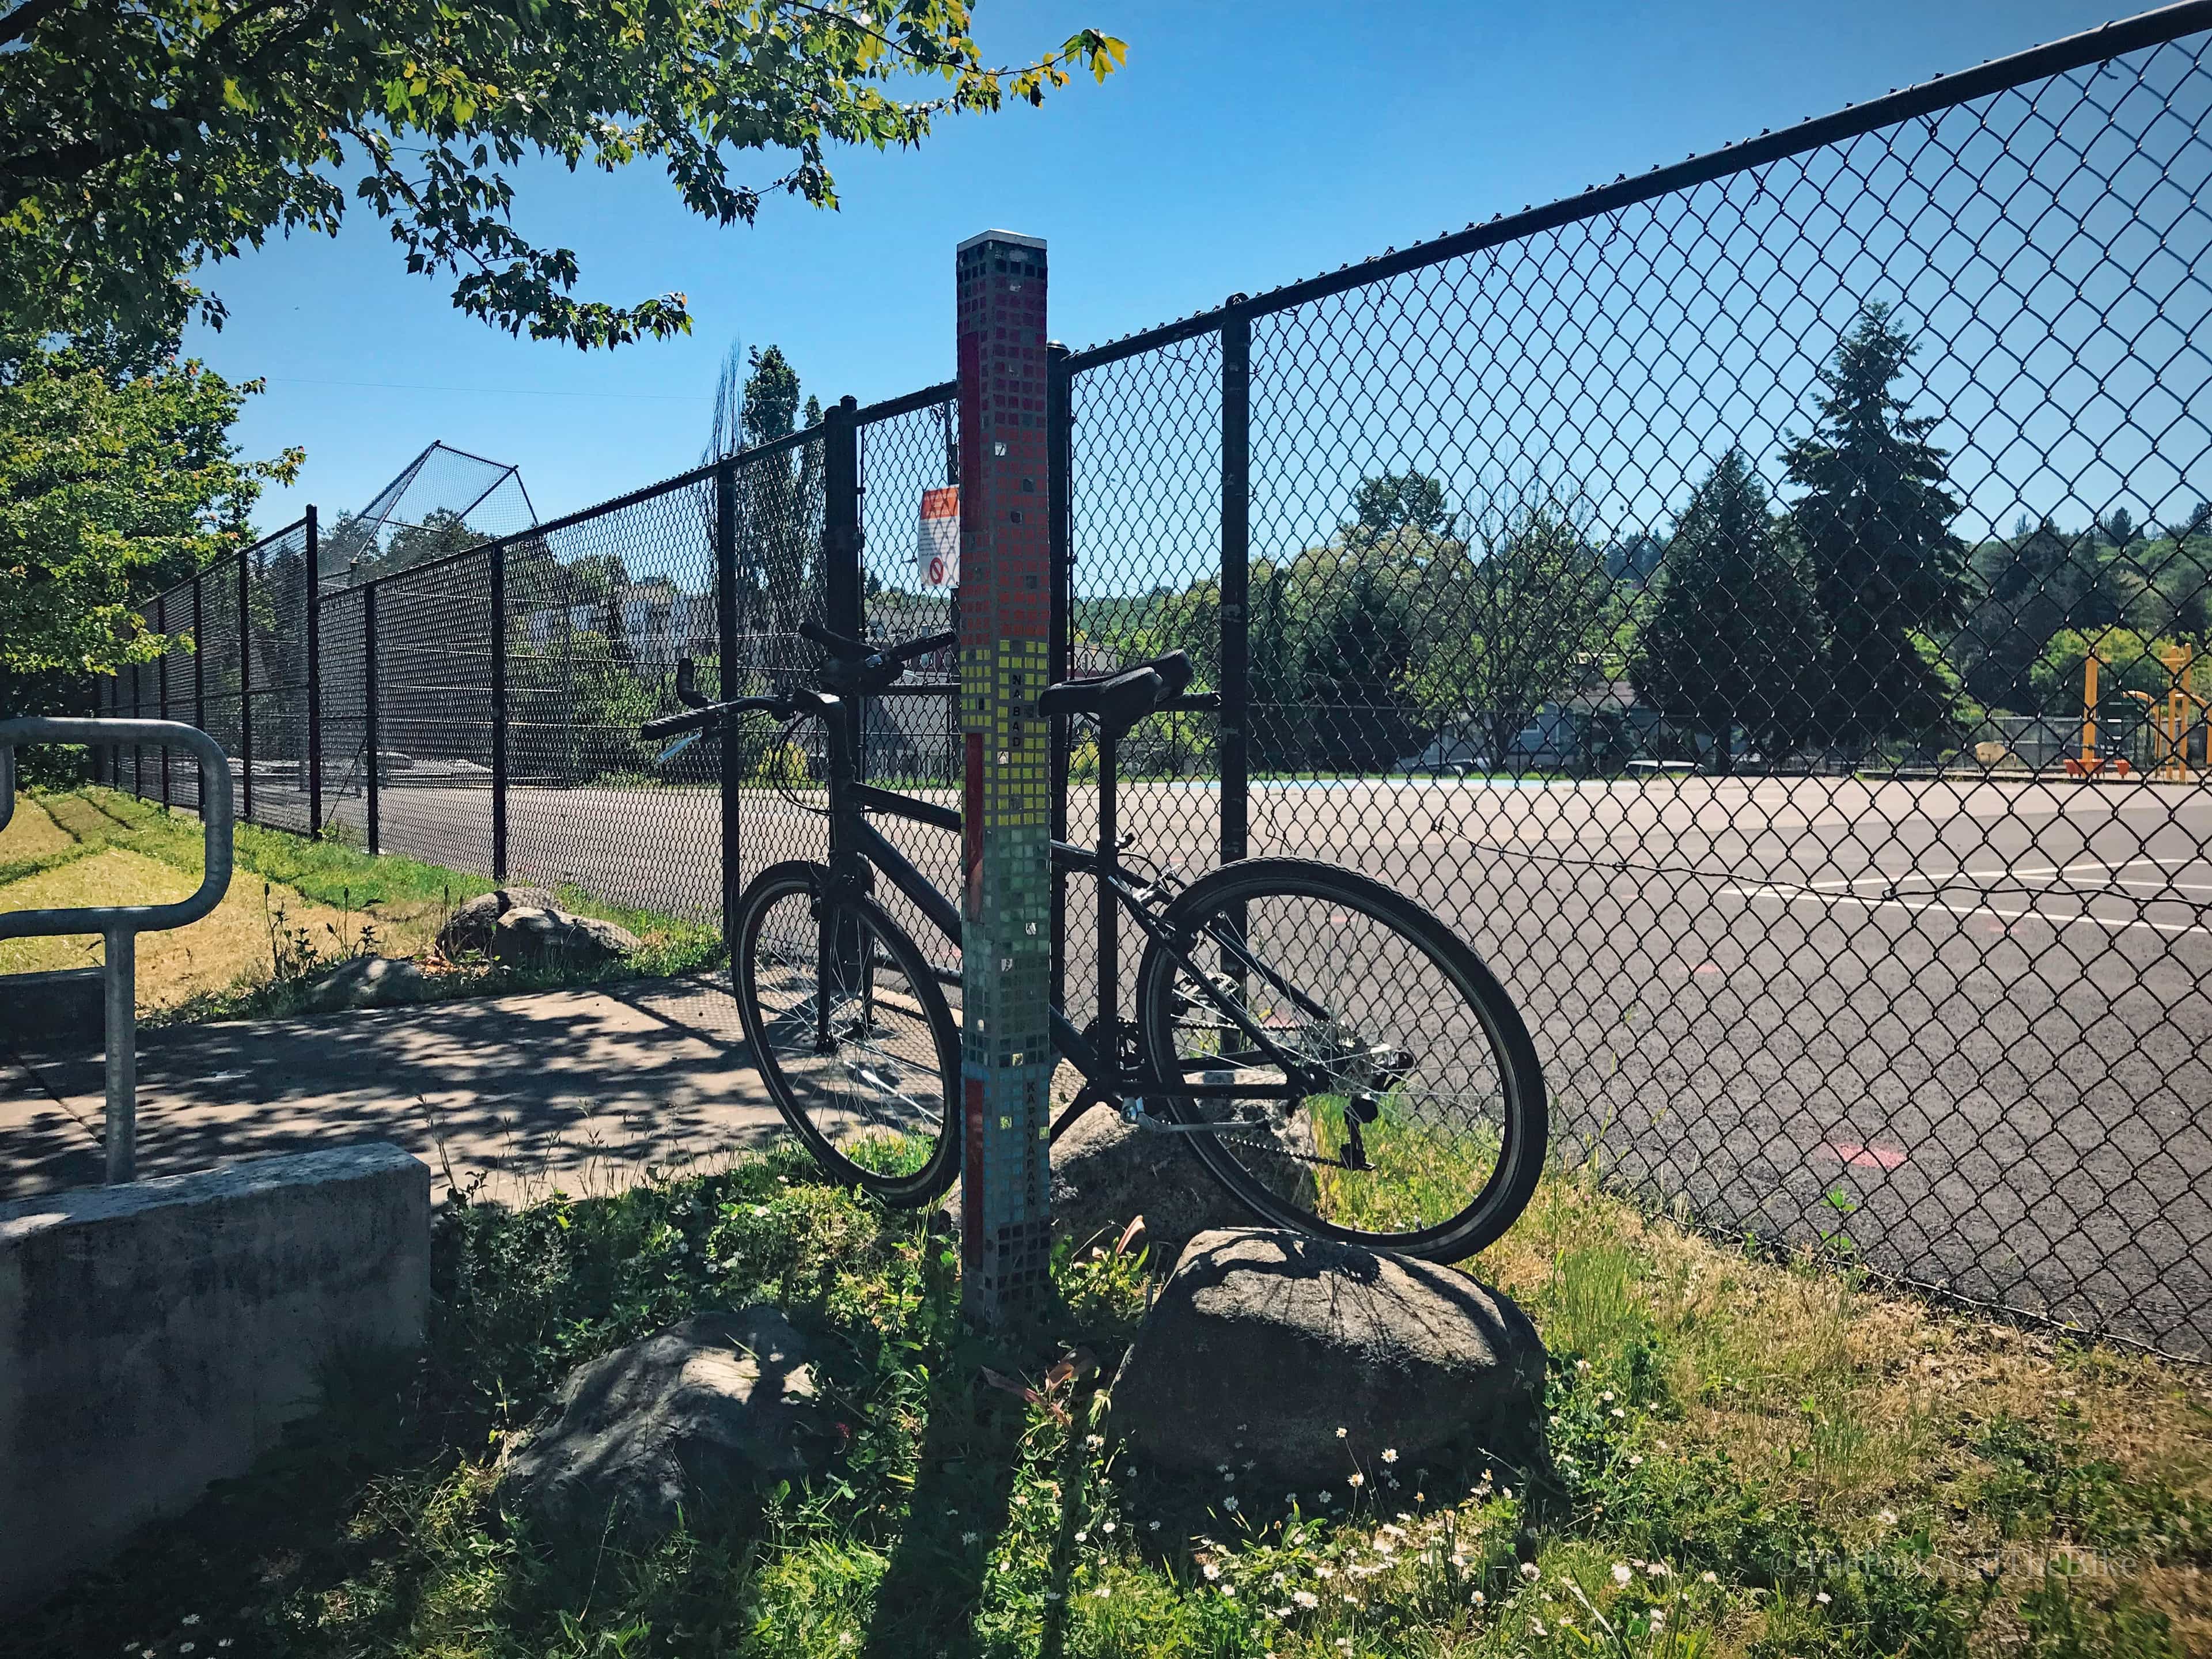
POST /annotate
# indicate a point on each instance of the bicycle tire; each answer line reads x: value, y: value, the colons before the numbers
x: 858, y: 1084
x: 1289, y: 1175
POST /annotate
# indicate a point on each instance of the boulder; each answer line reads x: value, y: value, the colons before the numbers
x: 529, y: 937
x: 683, y: 1422
x: 1263, y: 1345
x: 369, y: 982
x: 1105, y: 1171
x: 469, y: 930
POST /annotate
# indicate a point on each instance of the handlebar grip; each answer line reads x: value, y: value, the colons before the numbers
x: 669, y: 725
x: 835, y: 644
x: 914, y: 649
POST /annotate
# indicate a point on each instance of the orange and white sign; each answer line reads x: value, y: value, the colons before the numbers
x: 937, y: 548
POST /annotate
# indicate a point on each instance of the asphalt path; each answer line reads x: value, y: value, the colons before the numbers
x: 1959, y: 1030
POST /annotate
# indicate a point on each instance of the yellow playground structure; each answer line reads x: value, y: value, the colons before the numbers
x: 2173, y: 716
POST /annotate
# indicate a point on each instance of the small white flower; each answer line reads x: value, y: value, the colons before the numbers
x: 1606, y: 1397
x: 1355, y: 1481
x: 1322, y: 1569
x: 1582, y: 1367
x: 967, y: 1537
x: 1887, y: 1517
x: 1634, y: 1462
x: 1108, y: 1527
x: 1529, y: 1571
x: 1083, y: 1537
x: 1340, y: 1433
x: 1536, y: 1624
x: 1622, y: 1572
x: 1152, y: 1526
x: 1617, y: 1412
x: 1094, y: 1441
x: 1229, y: 1503
x: 1822, y: 1598
x: 1658, y: 1570
x: 1326, y: 1498
x: 1658, y: 1617
x: 1305, y: 1599
x: 1481, y: 1600
x: 1102, y: 1591
x: 1213, y: 1571
x: 1229, y: 1590
x: 1389, y: 1455
x: 1344, y: 1642
x: 1708, y: 1577
x: 760, y: 1209
x: 1505, y: 1492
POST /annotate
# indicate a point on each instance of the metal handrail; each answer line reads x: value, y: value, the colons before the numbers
x: 123, y: 923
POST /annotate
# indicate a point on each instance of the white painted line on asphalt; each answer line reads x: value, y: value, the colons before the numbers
x: 1797, y: 896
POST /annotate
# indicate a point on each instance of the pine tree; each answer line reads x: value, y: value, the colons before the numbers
x: 1733, y: 635
x: 1875, y: 524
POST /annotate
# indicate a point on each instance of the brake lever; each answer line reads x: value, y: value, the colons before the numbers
x: 687, y: 683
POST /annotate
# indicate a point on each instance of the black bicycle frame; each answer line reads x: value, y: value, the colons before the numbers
x: 855, y: 843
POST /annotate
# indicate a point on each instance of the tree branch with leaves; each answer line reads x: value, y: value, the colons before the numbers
x: 139, y: 142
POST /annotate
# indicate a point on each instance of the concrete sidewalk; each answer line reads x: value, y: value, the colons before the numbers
x: 582, y: 1089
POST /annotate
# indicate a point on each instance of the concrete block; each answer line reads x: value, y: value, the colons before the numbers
x: 65, y: 1008
x: 157, y: 1336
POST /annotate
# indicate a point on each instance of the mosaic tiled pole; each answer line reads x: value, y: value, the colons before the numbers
x: 1006, y: 1052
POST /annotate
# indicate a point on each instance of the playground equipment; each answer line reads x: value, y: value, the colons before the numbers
x: 123, y: 923
x: 2173, y: 716
x: 2090, y: 763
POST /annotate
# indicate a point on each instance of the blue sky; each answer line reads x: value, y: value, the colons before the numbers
x: 1242, y: 147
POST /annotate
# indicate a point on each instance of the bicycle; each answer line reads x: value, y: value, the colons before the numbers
x: 1346, y: 1066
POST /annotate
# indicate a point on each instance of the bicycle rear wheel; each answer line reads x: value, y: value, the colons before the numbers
x: 1410, y: 1114
x: 851, y: 1033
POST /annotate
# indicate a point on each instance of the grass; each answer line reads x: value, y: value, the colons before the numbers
x: 295, y: 908
x: 1751, y: 1458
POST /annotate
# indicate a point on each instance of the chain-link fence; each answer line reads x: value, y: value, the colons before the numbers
x: 1763, y: 604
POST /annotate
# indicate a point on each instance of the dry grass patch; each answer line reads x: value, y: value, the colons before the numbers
x: 32, y: 833
x: 231, y: 943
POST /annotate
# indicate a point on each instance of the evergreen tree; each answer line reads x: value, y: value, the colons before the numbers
x: 1732, y: 636
x: 1875, y: 523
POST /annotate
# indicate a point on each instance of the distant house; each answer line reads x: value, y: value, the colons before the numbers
x: 1599, y: 728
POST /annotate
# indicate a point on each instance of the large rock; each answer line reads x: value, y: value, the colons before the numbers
x: 685, y: 1421
x: 1106, y: 1172
x: 527, y: 937
x: 369, y: 982
x: 470, y: 929
x: 1262, y: 1344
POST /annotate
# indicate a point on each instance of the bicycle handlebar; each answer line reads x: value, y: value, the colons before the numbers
x: 669, y: 725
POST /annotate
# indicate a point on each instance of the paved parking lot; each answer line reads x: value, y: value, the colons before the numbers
x: 1959, y: 1029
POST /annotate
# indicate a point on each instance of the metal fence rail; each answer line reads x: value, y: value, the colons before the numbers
x: 1764, y: 603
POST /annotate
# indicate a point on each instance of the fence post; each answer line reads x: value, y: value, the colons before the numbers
x: 841, y: 540
x: 314, y: 575
x: 499, y: 713
x: 162, y: 682
x: 1006, y: 1059
x: 199, y: 658
x: 245, y: 686
x: 370, y: 770
x: 727, y: 686
x: 1059, y: 470
x: 1236, y: 578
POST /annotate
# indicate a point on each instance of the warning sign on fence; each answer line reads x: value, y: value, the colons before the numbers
x: 937, y: 548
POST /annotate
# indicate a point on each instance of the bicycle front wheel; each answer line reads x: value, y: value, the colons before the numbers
x: 1388, y: 1093
x: 851, y: 1033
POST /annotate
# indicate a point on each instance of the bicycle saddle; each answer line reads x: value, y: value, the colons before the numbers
x: 1121, y: 699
